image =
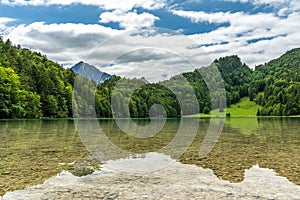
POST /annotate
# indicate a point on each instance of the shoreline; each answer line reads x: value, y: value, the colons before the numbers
x: 185, y: 117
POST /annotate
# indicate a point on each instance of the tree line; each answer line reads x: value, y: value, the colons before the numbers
x: 32, y: 86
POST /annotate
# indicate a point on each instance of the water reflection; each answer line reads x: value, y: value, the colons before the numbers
x: 177, y: 181
x: 270, y: 142
x: 32, y: 151
x: 139, y: 164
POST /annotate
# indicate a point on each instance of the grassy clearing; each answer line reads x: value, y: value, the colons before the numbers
x: 243, y: 108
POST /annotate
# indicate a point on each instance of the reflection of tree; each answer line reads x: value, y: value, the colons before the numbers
x: 274, y: 144
x: 132, y: 144
x: 244, y: 142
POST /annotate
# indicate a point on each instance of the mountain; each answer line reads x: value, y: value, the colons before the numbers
x: 143, y: 79
x: 90, y: 72
x: 237, y: 77
x: 32, y: 86
x: 277, y: 85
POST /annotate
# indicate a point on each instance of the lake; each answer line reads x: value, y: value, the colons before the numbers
x: 32, y: 151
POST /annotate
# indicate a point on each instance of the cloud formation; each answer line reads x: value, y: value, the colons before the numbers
x: 65, y: 43
x: 129, y: 20
x: 200, y: 16
x: 285, y: 6
x: 124, y: 5
x: 254, y: 37
x: 4, y: 21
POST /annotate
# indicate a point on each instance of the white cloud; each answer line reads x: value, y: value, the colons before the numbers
x: 120, y: 11
x: 127, y: 5
x: 129, y: 20
x: 124, y: 5
x: 274, y: 35
x: 261, y: 2
x: 64, y: 43
x: 200, y: 16
x: 236, y: 19
x: 153, y: 63
x: 285, y: 6
x: 4, y: 21
x: 69, y: 43
x: 153, y: 55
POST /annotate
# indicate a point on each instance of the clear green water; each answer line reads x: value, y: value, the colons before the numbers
x: 32, y: 151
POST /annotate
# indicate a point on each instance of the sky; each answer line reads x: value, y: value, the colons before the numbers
x: 136, y: 37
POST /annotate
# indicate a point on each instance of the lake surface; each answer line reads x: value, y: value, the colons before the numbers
x: 32, y: 151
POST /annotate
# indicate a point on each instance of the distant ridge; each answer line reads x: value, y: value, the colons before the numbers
x: 90, y: 72
x: 142, y: 79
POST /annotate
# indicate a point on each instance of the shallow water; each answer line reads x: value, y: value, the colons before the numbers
x: 32, y: 151
x: 177, y: 181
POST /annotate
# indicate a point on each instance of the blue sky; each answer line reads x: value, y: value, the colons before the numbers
x: 66, y: 31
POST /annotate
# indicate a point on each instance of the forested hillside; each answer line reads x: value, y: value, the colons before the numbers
x: 279, y: 84
x: 237, y: 77
x: 33, y: 86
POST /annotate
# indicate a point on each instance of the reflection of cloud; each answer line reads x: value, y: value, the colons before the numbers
x: 258, y: 183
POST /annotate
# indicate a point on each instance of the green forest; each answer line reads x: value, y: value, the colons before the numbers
x: 32, y: 86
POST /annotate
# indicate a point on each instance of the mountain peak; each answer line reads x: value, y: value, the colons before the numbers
x: 90, y: 72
